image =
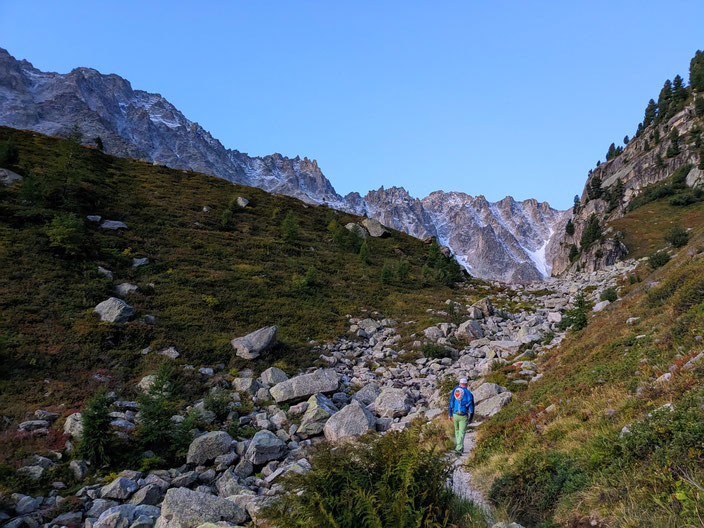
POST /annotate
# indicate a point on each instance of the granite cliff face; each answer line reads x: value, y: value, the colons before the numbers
x: 506, y: 240
x: 644, y: 161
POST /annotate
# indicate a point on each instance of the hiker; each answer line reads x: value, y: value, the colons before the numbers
x: 461, y: 412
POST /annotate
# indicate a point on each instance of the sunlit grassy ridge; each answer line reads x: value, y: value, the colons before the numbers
x: 556, y: 454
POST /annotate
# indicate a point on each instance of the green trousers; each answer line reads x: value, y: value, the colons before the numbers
x: 460, y: 429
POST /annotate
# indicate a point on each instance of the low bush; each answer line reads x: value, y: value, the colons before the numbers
x: 434, y: 351
x: 67, y: 234
x: 658, y: 259
x: 391, y: 480
x: 532, y: 488
x: 677, y: 236
x: 609, y: 294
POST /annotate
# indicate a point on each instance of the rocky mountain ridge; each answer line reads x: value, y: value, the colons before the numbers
x: 506, y: 240
x: 611, y: 187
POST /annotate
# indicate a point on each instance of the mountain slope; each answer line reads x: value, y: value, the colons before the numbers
x: 205, y: 284
x: 500, y: 240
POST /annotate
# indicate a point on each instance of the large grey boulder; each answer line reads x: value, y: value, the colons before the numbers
x: 120, y: 488
x: 149, y: 494
x: 184, y: 508
x: 273, y: 375
x: 320, y: 409
x: 7, y: 177
x: 392, y: 403
x: 350, y: 422
x: 113, y: 225
x: 208, y: 446
x: 510, y: 347
x: 248, y: 385
x: 598, y: 307
x: 469, y: 330
x: 486, y: 391
x: 305, y: 385
x: 114, y: 310
x: 375, y: 228
x: 493, y: 405
x: 485, y: 307
x: 229, y: 484
x: 73, y: 425
x: 125, y: 288
x: 252, y: 345
x: 367, y: 394
x: 265, y: 446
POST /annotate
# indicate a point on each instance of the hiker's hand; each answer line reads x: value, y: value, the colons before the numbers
x: 449, y: 418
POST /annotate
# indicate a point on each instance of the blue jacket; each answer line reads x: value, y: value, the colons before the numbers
x: 461, y: 401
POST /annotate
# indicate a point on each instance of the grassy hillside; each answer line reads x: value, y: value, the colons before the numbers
x: 557, y: 455
x: 206, y: 283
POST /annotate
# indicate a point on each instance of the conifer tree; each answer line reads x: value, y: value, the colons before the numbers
x: 97, y: 440
x: 650, y: 113
x: 696, y: 72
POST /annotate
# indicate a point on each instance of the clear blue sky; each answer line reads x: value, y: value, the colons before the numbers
x: 493, y: 98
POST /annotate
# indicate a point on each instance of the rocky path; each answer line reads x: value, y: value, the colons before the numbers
x: 462, y: 484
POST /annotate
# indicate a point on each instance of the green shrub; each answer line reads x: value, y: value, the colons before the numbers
x: 364, y: 252
x: 677, y: 236
x: 156, y: 431
x: 387, y: 274
x: 591, y: 233
x: 434, y: 351
x: 219, y: 403
x: 574, y: 253
x: 403, y: 271
x: 658, y: 259
x: 97, y: 440
x: 67, y: 234
x: 609, y: 294
x: 577, y: 318
x: 533, y: 487
x: 9, y: 155
x: 290, y: 230
x: 389, y: 480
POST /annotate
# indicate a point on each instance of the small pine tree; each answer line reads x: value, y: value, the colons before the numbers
x: 387, y: 274
x: 626, y: 139
x: 674, y: 148
x: 67, y: 233
x: 591, y: 233
x: 577, y: 203
x: 699, y: 106
x: 75, y: 136
x: 574, y: 253
x: 594, y: 190
x: 696, y: 72
x: 569, y: 228
x: 364, y: 253
x: 156, y: 430
x: 679, y: 94
x: 403, y: 271
x: 664, y: 100
x: 650, y: 113
x: 99, y: 143
x: 97, y: 440
x: 677, y: 236
x: 9, y: 154
x: 290, y: 229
